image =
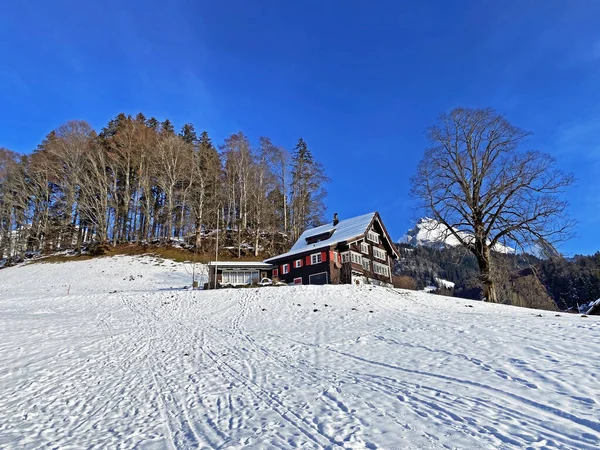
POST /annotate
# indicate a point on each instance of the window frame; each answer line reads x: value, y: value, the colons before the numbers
x: 373, y: 236
x: 379, y: 253
x: 285, y: 269
x: 364, y: 248
x: 297, y: 264
x: 239, y: 277
x: 313, y: 258
x: 366, y: 266
x: 296, y: 279
x: 381, y: 269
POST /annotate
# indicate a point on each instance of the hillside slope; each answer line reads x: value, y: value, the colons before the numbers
x: 129, y: 358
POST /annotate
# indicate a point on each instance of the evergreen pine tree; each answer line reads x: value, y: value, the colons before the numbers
x: 167, y: 127
x: 188, y: 133
x: 152, y: 123
x: 140, y: 118
x: 308, y: 193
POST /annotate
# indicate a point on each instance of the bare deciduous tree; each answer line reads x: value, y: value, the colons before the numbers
x: 67, y: 153
x: 138, y: 181
x: 173, y: 157
x: 478, y: 181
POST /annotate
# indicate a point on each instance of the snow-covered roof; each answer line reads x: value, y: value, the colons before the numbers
x: 244, y: 264
x: 345, y: 230
x: 444, y: 283
x: 593, y: 306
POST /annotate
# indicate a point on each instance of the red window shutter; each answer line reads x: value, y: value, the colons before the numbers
x: 331, y: 255
x: 324, y: 256
x: 281, y: 269
x: 308, y: 260
x: 340, y: 258
x: 275, y: 272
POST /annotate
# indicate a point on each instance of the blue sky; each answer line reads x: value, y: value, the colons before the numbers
x: 359, y: 81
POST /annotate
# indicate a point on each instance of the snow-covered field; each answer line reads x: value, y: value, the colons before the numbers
x: 111, y: 353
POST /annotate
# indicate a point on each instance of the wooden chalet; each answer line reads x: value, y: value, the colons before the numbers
x: 351, y: 251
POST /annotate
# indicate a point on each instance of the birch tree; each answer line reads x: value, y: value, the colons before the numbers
x: 172, y: 159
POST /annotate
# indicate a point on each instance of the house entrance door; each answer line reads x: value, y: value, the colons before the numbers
x: 318, y: 278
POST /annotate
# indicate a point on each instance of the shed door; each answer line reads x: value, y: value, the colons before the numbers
x: 318, y: 278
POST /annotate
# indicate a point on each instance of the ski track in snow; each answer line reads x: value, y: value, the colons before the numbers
x: 128, y: 359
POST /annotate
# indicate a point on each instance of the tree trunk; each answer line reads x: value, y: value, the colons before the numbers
x: 239, y: 239
x: 484, y: 261
x: 198, y: 233
x: 169, y: 231
x: 256, y: 240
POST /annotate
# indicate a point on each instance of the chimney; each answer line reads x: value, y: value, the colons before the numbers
x: 335, y: 219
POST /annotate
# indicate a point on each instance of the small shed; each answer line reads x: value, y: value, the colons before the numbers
x: 237, y: 273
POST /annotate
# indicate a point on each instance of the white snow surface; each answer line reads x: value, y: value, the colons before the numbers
x: 128, y: 359
x: 444, y: 283
x: 431, y: 233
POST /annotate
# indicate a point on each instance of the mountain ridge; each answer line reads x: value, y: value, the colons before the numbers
x: 431, y: 233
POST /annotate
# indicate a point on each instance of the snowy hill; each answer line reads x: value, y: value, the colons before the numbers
x: 431, y: 233
x: 113, y: 353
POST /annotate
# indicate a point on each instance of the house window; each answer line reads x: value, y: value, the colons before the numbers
x: 285, y: 269
x: 336, y: 257
x: 298, y: 280
x: 366, y: 264
x: 316, y: 258
x: 379, y: 254
x: 346, y: 257
x: 239, y: 277
x: 297, y: 263
x: 373, y: 237
x: 275, y: 273
x: 381, y: 269
x: 364, y: 247
x: 356, y: 258
x: 319, y: 237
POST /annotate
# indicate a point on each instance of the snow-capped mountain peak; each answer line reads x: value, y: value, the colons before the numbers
x: 429, y: 232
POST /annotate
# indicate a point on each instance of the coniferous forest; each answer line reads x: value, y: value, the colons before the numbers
x: 555, y: 282
x: 138, y: 180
